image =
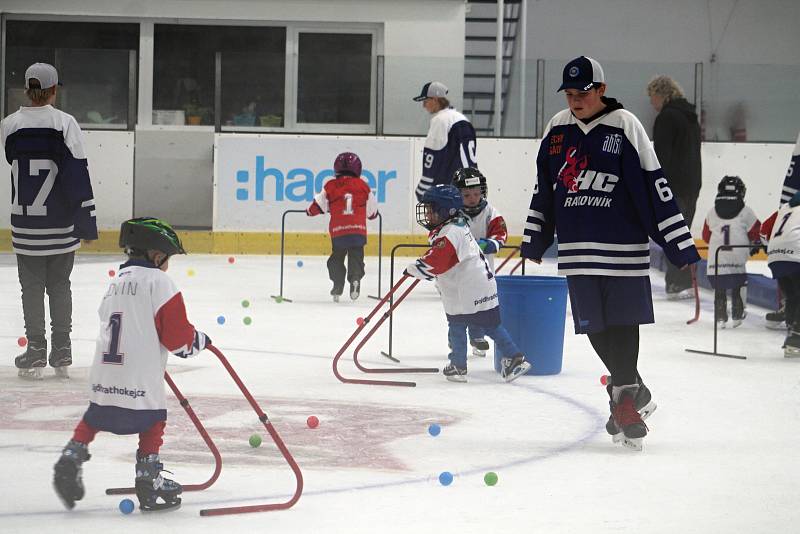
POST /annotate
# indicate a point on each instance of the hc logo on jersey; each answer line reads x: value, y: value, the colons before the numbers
x: 573, y: 165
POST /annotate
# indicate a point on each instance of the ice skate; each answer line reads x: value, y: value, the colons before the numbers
x: 355, y: 289
x: 61, y: 355
x: 455, y: 374
x: 643, y: 403
x: 67, y: 479
x: 479, y: 346
x: 336, y: 292
x: 721, y: 309
x: 514, y: 367
x: 151, y: 486
x: 791, y: 346
x: 738, y: 306
x: 676, y: 293
x: 627, y: 426
x: 32, y: 362
x: 776, y: 320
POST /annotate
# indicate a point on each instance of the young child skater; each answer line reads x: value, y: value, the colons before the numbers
x: 350, y: 202
x: 730, y: 222
x: 782, y: 230
x: 487, y: 226
x: 465, y: 281
x: 143, y: 320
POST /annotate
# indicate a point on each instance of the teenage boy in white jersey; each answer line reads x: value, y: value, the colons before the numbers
x: 143, y: 320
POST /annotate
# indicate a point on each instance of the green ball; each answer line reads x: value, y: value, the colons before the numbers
x: 247, y: 320
x: 255, y: 441
x: 245, y: 303
x: 490, y: 478
x: 278, y: 299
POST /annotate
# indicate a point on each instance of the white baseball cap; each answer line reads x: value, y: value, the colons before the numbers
x: 432, y: 90
x: 46, y: 74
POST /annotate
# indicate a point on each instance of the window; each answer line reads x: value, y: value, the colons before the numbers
x: 94, y: 62
x: 252, y: 82
x: 334, y: 80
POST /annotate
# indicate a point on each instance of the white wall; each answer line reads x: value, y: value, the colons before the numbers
x: 424, y: 40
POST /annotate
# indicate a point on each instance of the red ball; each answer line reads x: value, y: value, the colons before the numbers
x: 22, y: 341
x: 360, y: 321
x: 604, y: 379
x: 312, y: 421
x: 111, y: 273
x: 231, y: 259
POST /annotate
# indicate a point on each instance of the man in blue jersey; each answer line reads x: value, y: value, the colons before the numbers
x: 450, y: 144
x: 599, y: 185
x: 52, y: 209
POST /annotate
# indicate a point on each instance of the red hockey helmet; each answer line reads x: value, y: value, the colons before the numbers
x: 347, y: 164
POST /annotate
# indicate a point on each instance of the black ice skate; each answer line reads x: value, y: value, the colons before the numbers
x: 151, y: 486
x: 355, y: 289
x: 776, y: 320
x: 32, y: 362
x: 643, y: 402
x: 479, y: 346
x: 455, y: 374
x: 67, y: 473
x: 60, y: 355
x: 629, y: 428
x: 336, y: 292
x: 721, y: 308
x: 514, y: 367
x: 791, y: 347
x: 738, y: 311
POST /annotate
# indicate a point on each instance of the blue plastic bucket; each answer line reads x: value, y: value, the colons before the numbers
x: 534, y: 310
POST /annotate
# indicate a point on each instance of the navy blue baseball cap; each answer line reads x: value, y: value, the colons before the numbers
x: 582, y: 73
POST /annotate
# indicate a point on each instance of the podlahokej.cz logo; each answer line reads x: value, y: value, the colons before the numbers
x: 298, y: 184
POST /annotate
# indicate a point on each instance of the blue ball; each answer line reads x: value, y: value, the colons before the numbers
x: 126, y: 506
x: 446, y: 478
x: 299, y: 263
x: 221, y: 319
x: 434, y: 429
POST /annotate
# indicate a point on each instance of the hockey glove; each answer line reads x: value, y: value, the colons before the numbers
x: 488, y: 246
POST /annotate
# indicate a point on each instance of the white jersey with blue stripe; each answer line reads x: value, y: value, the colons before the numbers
x: 600, y: 186
x: 52, y: 203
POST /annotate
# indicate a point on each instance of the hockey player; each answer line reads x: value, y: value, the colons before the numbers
x: 143, y: 320
x: 783, y: 253
x: 52, y: 209
x: 450, y: 144
x: 465, y: 281
x: 350, y: 202
x: 776, y: 320
x: 730, y: 222
x: 487, y: 226
x: 600, y: 187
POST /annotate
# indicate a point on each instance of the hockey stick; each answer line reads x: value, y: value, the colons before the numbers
x: 369, y: 334
x: 696, y: 317
x: 200, y: 428
x: 278, y: 442
x: 279, y: 297
x: 507, y: 258
x: 380, y: 256
x: 520, y: 263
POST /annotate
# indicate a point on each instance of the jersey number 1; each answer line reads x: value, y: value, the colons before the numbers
x: 783, y: 223
x: 348, y: 204
x: 113, y: 355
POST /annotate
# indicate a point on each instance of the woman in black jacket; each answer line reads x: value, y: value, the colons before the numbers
x: 676, y: 136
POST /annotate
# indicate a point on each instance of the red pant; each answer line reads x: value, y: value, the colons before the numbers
x: 149, y: 441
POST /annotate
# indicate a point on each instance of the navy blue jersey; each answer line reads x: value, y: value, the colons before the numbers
x: 52, y: 203
x: 791, y: 184
x: 450, y: 146
x: 600, y: 186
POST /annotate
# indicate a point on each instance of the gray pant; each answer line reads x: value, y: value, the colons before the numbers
x: 38, y: 274
x: 678, y: 279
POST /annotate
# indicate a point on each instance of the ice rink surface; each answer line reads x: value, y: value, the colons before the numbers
x: 721, y: 455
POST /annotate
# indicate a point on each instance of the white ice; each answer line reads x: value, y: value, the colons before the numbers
x: 721, y: 455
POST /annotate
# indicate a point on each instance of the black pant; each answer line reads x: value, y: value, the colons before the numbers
x: 678, y: 279
x: 790, y: 287
x: 38, y: 274
x: 337, y: 271
x: 618, y: 347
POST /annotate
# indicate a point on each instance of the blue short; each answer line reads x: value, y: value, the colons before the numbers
x: 601, y: 301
